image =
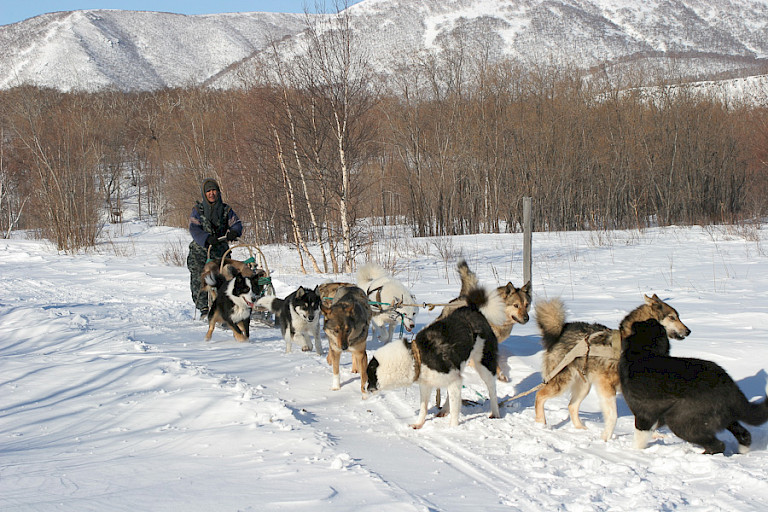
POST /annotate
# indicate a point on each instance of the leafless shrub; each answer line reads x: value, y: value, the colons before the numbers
x: 175, y: 253
x: 122, y: 248
x: 446, y: 250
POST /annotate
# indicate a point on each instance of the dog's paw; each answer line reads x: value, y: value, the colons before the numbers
x: 502, y: 377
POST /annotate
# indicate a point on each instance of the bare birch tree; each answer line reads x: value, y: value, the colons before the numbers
x: 338, y: 74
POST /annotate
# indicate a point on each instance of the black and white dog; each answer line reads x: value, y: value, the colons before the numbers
x: 234, y: 299
x: 440, y: 352
x: 695, y: 398
x: 298, y: 316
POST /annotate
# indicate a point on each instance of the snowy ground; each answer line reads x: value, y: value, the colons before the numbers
x: 111, y: 400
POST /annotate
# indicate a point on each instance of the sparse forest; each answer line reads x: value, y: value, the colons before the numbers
x: 308, y: 148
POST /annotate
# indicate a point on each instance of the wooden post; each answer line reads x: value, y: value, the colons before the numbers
x: 527, y: 239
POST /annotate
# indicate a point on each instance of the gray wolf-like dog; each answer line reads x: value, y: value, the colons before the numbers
x: 559, y: 337
x: 517, y: 303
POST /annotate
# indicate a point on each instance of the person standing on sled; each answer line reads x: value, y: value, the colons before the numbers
x: 212, y: 224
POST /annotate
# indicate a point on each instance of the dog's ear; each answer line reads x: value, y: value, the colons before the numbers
x: 652, y: 300
x: 300, y: 292
x: 526, y: 289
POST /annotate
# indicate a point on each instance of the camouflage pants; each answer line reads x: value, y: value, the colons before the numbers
x: 196, y: 260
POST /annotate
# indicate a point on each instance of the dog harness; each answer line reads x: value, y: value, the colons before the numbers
x: 585, y: 349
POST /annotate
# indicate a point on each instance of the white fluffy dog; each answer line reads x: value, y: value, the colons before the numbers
x: 384, y: 291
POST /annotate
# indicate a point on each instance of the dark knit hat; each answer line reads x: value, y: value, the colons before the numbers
x: 210, y: 184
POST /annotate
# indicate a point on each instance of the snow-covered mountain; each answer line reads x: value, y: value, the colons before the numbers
x: 133, y: 50
x: 580, y: 32
x: 143, y: 50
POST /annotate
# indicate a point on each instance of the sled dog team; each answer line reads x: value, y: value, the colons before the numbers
x: 695, y: 398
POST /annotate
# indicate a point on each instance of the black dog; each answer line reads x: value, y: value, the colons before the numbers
x: 298, y: 316
x: 233, y: 303
x: 694, y: 397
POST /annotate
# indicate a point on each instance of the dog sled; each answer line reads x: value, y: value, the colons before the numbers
x: 256, y: 269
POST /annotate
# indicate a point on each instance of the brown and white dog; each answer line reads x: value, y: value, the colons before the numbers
x: 517, y: 303
x: 560, y: 337
x: 347, y: 319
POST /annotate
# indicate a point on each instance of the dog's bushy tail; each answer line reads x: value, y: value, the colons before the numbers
x: 756, y: 413
x: 489, y: 303
x: 550, y: 315
x: 271, y: 302
x: 214, y: 279
x: 369, y: 273
x: 468, y: 278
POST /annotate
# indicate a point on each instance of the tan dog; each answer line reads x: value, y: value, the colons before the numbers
x: 517, y: 302
x: 559, y: 338
x: 347, y: 319
x: 327, y: 291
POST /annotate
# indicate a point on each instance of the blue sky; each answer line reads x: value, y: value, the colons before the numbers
x: 12, y: 11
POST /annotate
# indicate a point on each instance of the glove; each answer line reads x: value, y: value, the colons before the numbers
x: 210, y: 240
x: 232, y: 236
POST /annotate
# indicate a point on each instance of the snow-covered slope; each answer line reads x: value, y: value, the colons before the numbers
x: 111, y: 400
